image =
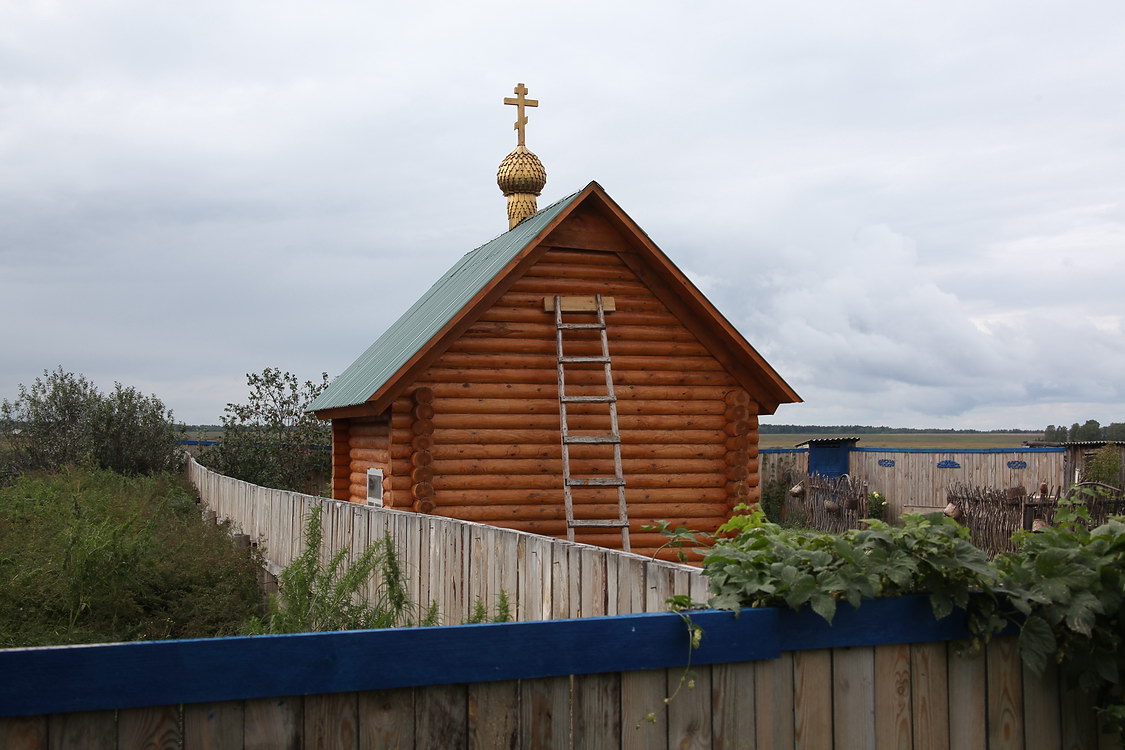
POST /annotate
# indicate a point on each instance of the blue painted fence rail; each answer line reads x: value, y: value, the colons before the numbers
x: 127, y: 675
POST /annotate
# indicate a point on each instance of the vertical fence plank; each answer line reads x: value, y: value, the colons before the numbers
x: 84, y: 730
x: 774, y: 703
x: 644, y: 715
x: 968, y: 705
x: 612, y: 582
x: 24, y: 733
x: 658, y: 588
x: 214, y: 726
x: 273, y: 723
x: 812, y: 699
x: 441, y: 717
x: 893, y: 723
x: 593, y: 582
x: 331, y: 722
x: 853, y: 690
x: 689, y: 711
x: 930, y: 695
x: 632, y: 585
x: 493, y: 715
x: 733, y: 712
x: 1042, y: 724
x: 562, y: 575
x: 1005, y: 695
x: 386, y: 719
x: 545, y: 713
x: 155, y: 728
x: 597, y: 711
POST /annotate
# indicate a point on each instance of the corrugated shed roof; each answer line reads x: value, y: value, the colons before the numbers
x: 428, y: 315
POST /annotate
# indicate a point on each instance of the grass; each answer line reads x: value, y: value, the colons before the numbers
x: 937, y: 440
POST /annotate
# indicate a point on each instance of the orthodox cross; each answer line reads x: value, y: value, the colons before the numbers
x: 520, y: 101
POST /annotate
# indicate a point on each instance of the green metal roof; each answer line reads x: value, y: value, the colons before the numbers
x: 428, y: 315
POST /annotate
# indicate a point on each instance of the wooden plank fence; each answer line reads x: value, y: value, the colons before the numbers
x: 883, y: 676
x: 456, y: 563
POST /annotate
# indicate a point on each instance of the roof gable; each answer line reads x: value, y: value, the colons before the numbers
x: 453, y: 302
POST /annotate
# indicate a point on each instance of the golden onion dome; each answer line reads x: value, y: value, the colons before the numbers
x: 521, y: 172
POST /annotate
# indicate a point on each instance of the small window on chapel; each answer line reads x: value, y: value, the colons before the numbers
x: 375, y: 487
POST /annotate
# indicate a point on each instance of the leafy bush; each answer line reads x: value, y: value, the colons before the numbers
x: 1068, y: 585
x: 270, y: 440
x: 64, y: 419
x: 764, y: 564
x: 92, y: 556
x: 1105, y: 466
x: 315, y: 596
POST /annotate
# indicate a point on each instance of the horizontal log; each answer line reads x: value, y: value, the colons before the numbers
x: 734, y: 429
x: 468, y: 377
x: 547, y: 437
x: 422, y: 427
x: 422, y: 442
x: 378, y: 445
x: 609, y: 538
x: 489, y: 513
x: 581, y: 347
x: 425, y: 505
x: 355, y: 430
x: 550, y: 390
x: 578, y: 466
x: 571, y: 287
x: 372, y: 455
x: 551, y: 406
x: 738, y: 397
x: 628, y: 313
x: 578, y: 422
x: 554, y: 451
x: 545, y: 330
x: 421, y: 474
x: 545, y: 268
x: 523, y: 299
x: 581, y: 258
x: 670, y: 495
x: 547, y: 362
x: 422, y: 395
x: 736, y: 413
x: 424, y: 411
x: 422, y: 491
x: 398, y: 481
x: 421, y: 458
x: 548, y: 481
x: 359, y: 465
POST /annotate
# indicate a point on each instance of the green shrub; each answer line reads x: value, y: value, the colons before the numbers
x: 94, y: 556
x: 62, y: 418
x: 315, y: 596
x: 764, y: 564
x: 270, y: 440
x: 1105, y: 466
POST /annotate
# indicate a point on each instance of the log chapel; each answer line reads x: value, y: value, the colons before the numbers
x: 564, y: 379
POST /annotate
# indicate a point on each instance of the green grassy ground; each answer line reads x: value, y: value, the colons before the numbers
x: 951, y: 441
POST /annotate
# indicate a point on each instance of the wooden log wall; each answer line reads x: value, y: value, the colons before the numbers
x: 456, y: 563
x: 913, y: 481
x: 917, y: 695
x: 363, y: 444
x: 688, y: 432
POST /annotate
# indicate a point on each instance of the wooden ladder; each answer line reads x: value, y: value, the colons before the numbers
x: 613, y: 437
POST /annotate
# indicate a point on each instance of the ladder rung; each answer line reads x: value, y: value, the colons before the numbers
x: 595, y: 482
x: 581, y: 326
x: 601, y: 360
x: 589, y: 399
x: 610, y: 523
x: 592, y: 439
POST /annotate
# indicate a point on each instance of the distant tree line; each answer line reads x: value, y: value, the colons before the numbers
x: 1091, y: 430
x: 854, y: 429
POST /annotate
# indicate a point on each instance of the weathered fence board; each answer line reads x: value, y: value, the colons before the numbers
x: 454, y: 563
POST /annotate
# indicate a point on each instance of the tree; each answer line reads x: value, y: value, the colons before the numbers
x: 62, y: 418
x: 1092, y: 430
x: 1074, y: 428
x: 1115, y: 431
x: 271, y: 440
x: 1050, y: 433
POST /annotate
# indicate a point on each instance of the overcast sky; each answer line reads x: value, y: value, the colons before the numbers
x: 914, y: 210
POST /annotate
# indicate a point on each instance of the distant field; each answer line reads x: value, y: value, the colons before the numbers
x: 913, y: 440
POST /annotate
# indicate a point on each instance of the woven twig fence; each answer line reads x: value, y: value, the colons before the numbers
x: 832, y: 504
